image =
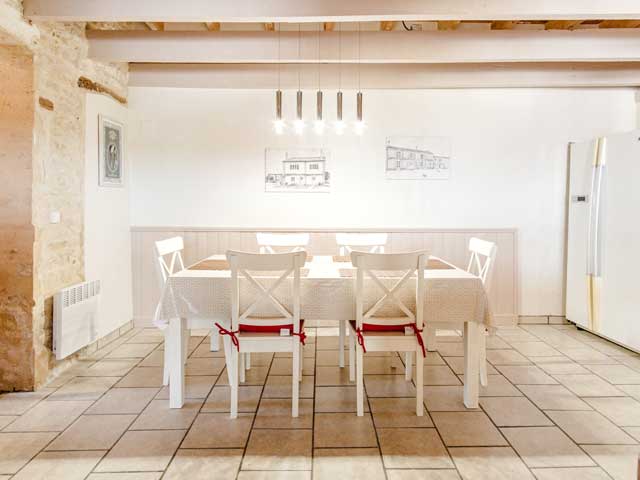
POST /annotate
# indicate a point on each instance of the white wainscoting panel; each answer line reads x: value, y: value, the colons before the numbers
x: 449, y: 244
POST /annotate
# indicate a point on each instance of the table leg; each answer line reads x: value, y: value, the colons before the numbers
x: 228, y: 356
x: 342, y: 328
x: 176, y: 357
x: 471, y: 365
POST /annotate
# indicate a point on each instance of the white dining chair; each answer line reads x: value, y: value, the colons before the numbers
x: 278, y: 243
x: 369, y: 332
x: 481, y: 262
x: 482, y: 257
x: 250, y: 332
x: 347, y: 243
x: 168, y: 262
x: 282, y: 242
x: 369, y: 242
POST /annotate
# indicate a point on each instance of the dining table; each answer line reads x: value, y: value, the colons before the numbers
x: 200, y: 295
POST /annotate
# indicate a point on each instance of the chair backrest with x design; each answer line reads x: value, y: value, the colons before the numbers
x: 367, y: 264
x: 372, y: 242
x: 284, y: 265
x: 168, y: 258
x: 482, y: 259
x: 288, y: 242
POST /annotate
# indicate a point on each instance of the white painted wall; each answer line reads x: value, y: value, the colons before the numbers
x: 199, y: 161
x: 107, y: 236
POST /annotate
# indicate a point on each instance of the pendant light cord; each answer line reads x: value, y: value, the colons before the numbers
x: 279, y: 58
x: 339, y: 56
x: 299, y: 57
x: 359, y: 58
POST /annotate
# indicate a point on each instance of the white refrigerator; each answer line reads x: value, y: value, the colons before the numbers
x: 603, y: 255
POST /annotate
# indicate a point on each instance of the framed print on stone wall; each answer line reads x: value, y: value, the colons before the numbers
x: 417, y: 158
x: 111, y: 152
x: 298, y: 170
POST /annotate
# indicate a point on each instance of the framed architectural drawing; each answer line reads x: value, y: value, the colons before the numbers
x: 111, y: 153
x: 297, y: 170
x: 417, y: 158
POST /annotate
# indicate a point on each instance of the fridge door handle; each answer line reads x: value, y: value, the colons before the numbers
x: 596, y: 212
x: 597, y: 247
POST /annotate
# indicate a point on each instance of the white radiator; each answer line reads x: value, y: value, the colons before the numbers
x: 75, y: 318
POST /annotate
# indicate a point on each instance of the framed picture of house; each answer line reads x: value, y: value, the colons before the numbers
x: 111, y: 152
x: 300, y: 170
x: 417, y: 158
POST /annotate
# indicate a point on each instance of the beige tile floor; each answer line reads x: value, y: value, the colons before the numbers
x: 561, y: 404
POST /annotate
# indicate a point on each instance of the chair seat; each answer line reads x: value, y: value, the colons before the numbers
x: 370, y: 329
x: 267, y: 329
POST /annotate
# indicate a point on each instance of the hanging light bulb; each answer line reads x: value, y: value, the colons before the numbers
x: 359, y: 121
x: 278, y: 123
x: 319, y: 125
x: 339, y: 125
x: 298, y: 125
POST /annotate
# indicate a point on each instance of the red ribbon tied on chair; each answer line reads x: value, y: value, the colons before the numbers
x: 419, y: 338
x: 302, y: 336
x: 361, y: 339
x: 234, y: 338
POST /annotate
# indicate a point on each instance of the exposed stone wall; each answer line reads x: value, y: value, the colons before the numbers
x: 16, y: 230
x: 59, y: 59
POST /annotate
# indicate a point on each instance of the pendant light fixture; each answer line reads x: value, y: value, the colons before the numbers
x: 319, y: 124
x: 339, y: 125
x: 278, y: 123
x: 359, y: 126
x: 298, y: 125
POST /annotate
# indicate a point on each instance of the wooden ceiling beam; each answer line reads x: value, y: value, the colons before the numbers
x: 386, y: 26
x: 503, y: 25
x: 329, y: 26
x: 562, y: 24
x: 213, y: 26
x: 619, y: 24
x: 448, y: 25
x: 269, y: 26
x: 486, y: 75
x: 463, y: 46
x: 155, y: 26
x: 274, y: 11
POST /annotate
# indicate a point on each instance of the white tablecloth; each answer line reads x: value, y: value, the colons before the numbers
x: 327, y: 293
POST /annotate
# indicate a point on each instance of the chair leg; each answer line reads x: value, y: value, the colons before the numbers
x: 342, y: 329
x: 352, y: 358
x: 247, y: 361
x: 215, y: 341
x: 166, y: 371
x: 482, y: 354
x: 360, y: 381
x: 233, y: 383
x: 301, y: 355
x: 431, y: 338
x: 241, y: 368
x: 408, y: 361
x: 228, y: 349
x: 419, y: 382
x: 295, y: 381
